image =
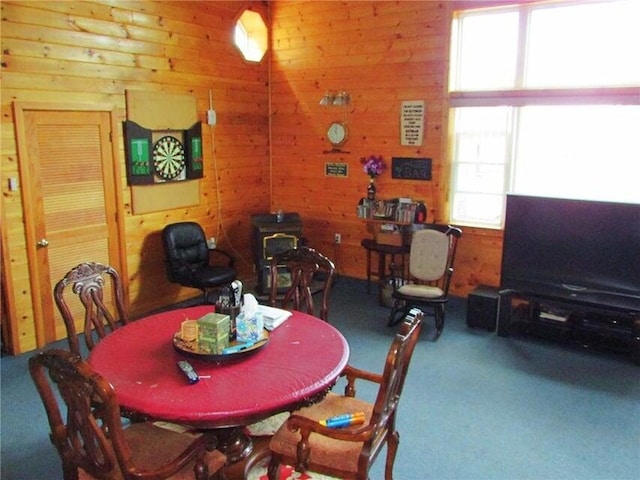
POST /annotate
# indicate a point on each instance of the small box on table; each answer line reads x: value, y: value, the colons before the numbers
x: 213, y: 333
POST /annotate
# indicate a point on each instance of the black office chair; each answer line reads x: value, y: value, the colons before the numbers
x: 188, y: 259
x: 431, y: 257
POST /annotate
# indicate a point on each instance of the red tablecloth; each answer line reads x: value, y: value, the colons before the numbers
x: 303, y: 357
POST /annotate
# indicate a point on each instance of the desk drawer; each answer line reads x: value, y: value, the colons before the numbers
x: 386, y: 238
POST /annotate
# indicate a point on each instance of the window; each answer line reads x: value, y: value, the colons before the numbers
x: 250, y: 36
x: 545, y: 100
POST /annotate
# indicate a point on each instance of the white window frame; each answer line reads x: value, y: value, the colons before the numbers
x: 516, y: 96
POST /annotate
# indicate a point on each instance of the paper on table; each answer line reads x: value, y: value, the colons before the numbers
x: 273, y: 317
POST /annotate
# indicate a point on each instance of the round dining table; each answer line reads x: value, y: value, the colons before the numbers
x: 298, y: 365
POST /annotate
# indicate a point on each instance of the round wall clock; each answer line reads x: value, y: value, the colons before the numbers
x: 168, y: 157
x: 337, y: 133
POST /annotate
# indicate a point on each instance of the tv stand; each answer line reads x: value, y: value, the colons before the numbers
x: 590, y: 325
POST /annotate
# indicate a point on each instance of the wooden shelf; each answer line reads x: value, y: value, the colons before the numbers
x: 386, y: 220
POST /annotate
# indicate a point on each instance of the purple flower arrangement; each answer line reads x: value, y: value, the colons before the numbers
x: 373, y: 165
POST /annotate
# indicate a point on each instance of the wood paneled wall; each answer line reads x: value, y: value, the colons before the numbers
x: 381, y: 52
x: 91, y: 52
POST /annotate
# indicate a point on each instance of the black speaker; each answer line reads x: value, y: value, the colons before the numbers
x: 482, y: 307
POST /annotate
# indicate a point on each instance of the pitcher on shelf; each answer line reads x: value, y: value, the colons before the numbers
x: 371, y: 189
x: 372, y: 166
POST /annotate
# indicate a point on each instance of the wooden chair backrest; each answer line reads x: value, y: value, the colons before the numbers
x: 89, y: 282
x: 92, y: 431
x: 391, y: 384
x: 432, y: 254
x: 395, y: 372
x: 304, y: 264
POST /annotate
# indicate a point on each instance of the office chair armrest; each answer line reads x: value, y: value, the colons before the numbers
x: 221, y: 253
x: 352, y: 374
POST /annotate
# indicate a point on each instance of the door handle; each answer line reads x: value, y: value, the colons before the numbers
x: 43, y: 243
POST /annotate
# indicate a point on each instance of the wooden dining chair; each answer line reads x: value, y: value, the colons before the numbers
x: 98, y: 295
x: 302, y: 272
x: 349, y: 452
x: 90, y: 437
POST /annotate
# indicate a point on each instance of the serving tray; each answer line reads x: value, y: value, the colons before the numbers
x: 190, y: 348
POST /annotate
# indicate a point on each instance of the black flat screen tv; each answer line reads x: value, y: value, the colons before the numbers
x: 583, y: 251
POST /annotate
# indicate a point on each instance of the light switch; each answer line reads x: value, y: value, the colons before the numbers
x: 211, y: 117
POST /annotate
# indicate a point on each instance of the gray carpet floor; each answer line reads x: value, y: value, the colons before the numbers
x: 475, y: 405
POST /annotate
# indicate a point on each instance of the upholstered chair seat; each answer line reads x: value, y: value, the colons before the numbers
x: 424, y: 291
x: 151, y: 446
x: 324, y: 450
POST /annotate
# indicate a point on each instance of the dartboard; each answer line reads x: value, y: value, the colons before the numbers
x: 168, y: 157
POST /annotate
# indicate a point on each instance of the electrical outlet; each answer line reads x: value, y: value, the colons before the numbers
x: 337, y: 238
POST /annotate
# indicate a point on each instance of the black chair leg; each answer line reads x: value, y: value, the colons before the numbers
x: 439, y: 318
x: 394, y: 317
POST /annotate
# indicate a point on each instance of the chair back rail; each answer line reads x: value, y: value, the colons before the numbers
x: 304, y: 265
x: 89, y: 281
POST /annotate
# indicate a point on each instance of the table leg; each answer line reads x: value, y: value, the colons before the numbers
x: 368, y: 271
x: 382, y: 265
x: 234, y: 443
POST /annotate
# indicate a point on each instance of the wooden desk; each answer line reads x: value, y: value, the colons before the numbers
x: 382, y: 250
x: 298, y: 366
x: 378, y: 244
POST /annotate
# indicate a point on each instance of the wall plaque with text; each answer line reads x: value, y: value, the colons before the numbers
x: 411, y: 168
x: 412, y: 122
x: 336, y: 169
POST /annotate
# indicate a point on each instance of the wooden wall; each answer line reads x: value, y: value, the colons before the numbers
x: 380, y: 52
x: 91, y: 52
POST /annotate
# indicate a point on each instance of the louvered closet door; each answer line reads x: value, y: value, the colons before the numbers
x: 72, y: 186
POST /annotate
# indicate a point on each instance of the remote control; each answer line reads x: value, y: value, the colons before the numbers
x: 186, y: 368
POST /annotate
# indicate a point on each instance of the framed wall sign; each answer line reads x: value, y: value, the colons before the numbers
x: 336, y: 169
x: 411, y: 168
x: 412, y: 122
